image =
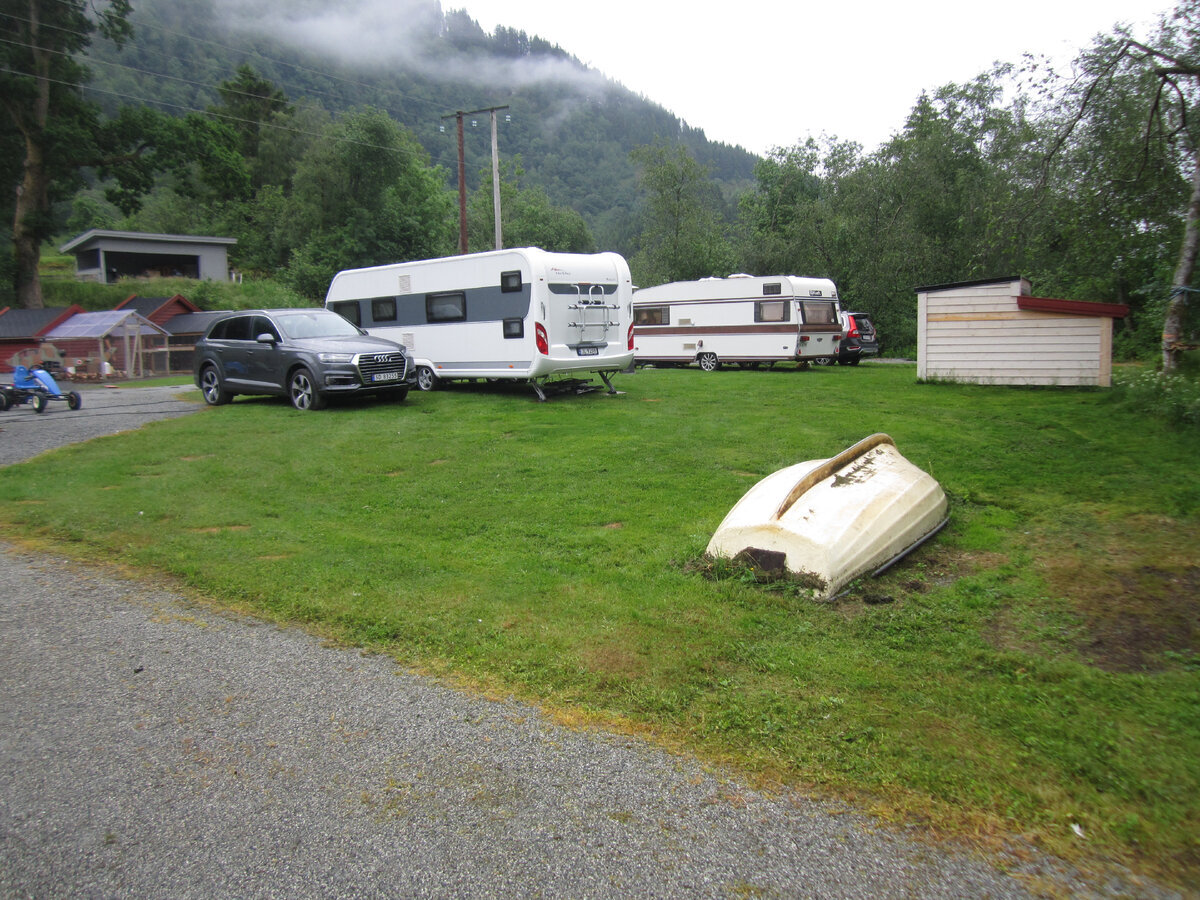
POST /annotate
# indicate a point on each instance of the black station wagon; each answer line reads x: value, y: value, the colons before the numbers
x: 306, y: 355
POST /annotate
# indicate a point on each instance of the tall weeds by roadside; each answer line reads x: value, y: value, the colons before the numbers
x: 1174, y: 398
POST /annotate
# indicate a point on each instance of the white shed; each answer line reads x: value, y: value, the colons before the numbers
x: 995, y: 332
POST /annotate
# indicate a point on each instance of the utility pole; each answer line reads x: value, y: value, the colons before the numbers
x: 496, y: 180
x: 462, y: 175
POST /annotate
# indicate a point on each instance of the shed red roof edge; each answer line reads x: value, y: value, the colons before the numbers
x: 1074, y: 307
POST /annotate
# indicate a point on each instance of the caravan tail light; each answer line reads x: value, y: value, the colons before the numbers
x: 539, y: 337
x: 629, y: 339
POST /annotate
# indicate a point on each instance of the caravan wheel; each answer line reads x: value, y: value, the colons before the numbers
x: 426, y: 380
x: 709, y: 362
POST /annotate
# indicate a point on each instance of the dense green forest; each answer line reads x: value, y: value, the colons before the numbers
x: 205, y: 117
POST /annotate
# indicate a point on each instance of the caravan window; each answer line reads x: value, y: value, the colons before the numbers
x: 348, y: 310
x: 510, y: 281
x: 772, y: 311
x: 383, y: 309
x: 774, y: 289
x: 652, y: 315
x: 819, y: 312
x: 446, y: 307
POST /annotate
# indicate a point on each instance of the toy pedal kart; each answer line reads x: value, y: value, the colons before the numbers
x: 37, y: 386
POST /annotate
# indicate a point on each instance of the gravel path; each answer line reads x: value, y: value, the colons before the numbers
x: 154, y: 748
x: 25, y: 433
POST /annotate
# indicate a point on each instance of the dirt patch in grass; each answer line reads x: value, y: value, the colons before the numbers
x: 1136, y: 619
x: 615, y: 660
x: 932, y: 566
x: 1135, y: 592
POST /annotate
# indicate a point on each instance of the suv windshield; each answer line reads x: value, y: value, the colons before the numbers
x: 316, y: 324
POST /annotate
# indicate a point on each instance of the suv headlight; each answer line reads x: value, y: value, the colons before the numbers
x: 335, y: 357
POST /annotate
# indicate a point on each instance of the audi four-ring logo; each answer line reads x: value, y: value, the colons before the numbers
x: 382, y: 358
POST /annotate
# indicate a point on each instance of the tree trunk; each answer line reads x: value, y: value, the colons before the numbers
x: 32, y: 207
x: 1172, y: 337
x: 32, y: 203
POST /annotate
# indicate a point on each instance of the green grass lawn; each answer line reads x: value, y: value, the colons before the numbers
x: 1033, y: 668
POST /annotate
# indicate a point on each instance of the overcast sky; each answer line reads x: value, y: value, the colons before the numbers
x: 767, y: 73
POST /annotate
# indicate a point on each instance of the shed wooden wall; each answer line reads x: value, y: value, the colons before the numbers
x: 977, y: 333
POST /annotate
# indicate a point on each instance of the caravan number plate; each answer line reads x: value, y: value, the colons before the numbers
x: 385, y: 376
x: 588, y: 351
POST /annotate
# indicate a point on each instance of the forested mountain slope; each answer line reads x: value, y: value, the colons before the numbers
x: 571, y: 127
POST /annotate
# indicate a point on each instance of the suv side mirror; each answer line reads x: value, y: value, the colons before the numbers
x: 266, y: 338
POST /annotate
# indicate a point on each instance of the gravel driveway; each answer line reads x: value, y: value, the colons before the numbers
x: 25, y: 433
x: 153, y: 748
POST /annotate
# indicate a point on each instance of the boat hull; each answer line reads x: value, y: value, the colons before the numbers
x: 835, y: 519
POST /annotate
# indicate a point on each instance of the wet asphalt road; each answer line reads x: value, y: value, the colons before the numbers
x: 153, y: 748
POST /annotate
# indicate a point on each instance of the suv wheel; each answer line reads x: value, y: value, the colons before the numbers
x: 210, y: 387
x: 302, y: 391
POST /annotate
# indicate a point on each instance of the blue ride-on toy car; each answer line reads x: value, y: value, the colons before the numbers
x: 33, y: 384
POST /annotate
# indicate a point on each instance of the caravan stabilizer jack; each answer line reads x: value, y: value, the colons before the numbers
x: 571, y: 385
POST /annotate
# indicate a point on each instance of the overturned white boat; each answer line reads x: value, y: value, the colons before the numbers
x: 834, y: 519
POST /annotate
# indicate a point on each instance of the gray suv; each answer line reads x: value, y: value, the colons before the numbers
x: 306, y: 355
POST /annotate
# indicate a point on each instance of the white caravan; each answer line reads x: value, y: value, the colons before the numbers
x: 741, y: 319
x: 525, y: 315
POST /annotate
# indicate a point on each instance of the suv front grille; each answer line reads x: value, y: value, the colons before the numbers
x: 371, y: 364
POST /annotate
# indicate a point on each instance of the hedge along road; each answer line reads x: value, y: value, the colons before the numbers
x: 153, y: 748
